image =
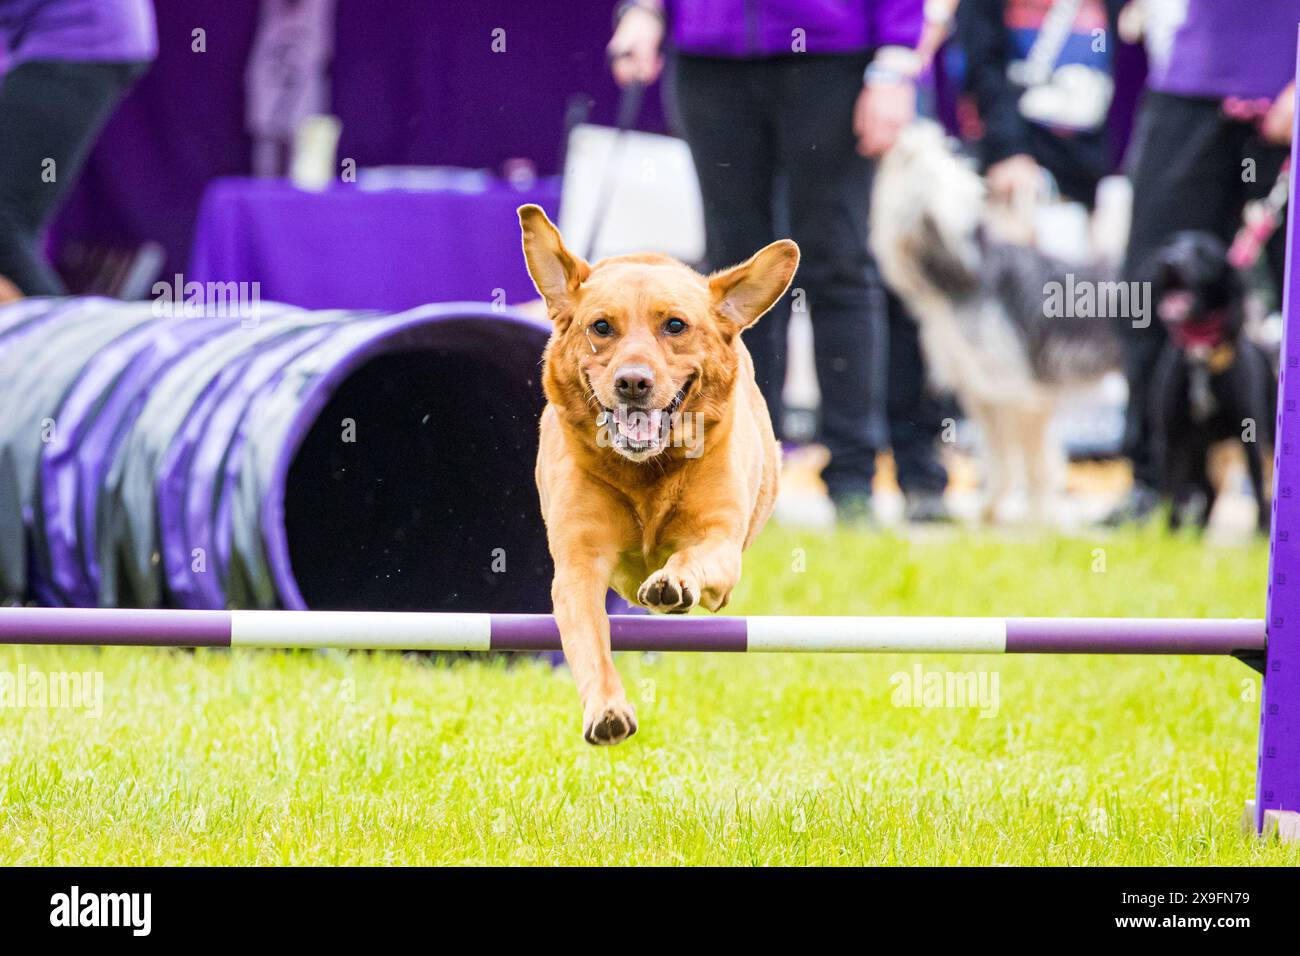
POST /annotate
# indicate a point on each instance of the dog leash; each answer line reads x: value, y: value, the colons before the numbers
x: 1260, y: 220
x: 629, y: 108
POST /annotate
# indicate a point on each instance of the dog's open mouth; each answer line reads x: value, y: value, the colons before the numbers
x: 640, y: 432
x: 1176, y: 304
x: 1178, y: 299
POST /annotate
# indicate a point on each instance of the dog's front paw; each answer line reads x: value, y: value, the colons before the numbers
x: 608, y: 721
x: 666, y: 592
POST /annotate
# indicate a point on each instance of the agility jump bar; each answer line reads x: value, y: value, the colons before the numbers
x: 385, y: 630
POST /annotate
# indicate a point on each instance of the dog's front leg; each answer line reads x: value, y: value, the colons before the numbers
x: 578, y: 596
x: 701, y: 573
x: 997, y: 456
x: 1044, y: 466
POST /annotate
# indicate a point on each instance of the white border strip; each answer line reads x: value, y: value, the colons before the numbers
x: 960, y: 635
x: 362, y: 630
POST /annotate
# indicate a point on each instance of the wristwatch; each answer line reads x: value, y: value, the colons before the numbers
x: 649, y: 6
x: 892, y: 64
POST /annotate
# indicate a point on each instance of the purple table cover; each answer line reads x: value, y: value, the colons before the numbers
x: 349, y: 248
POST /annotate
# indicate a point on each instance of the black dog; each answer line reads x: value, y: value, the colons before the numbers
x: 1212, y: 383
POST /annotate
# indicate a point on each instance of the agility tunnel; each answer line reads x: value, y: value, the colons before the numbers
x: 288, y: 459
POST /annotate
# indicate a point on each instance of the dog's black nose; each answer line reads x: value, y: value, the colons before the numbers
x: 633, y: 383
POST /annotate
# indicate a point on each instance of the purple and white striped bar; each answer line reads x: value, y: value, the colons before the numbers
x: 383, y: 630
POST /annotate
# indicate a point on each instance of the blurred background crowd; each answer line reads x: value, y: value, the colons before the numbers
x: 362, y: 154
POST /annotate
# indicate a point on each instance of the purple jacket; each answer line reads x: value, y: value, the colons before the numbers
x: 90, y: 31
x: 748, y: 29
x: 1222, y: 48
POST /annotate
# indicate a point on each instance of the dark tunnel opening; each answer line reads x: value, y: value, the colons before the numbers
x: 431, y: 505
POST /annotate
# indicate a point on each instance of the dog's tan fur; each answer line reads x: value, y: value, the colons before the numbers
x: 665, y: 530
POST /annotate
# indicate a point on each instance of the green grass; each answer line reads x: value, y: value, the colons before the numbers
x: 271, y: 758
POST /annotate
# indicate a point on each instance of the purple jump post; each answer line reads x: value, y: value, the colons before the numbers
x: 1277, y: 790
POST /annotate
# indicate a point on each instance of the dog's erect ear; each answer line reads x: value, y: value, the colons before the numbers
x: 556, y: 272
x: 743, y: 293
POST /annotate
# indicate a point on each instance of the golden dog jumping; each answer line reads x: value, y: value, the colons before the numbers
x: 657, y: 464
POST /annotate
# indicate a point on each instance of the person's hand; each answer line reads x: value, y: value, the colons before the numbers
x: 1131, y: 23
x: 634, y: 50
x: 1014, y: 176
x: 881, y: 112
x: 8, y: 291
x: 1276, y: 124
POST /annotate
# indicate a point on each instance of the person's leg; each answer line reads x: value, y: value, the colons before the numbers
x: 723, y: 109
x: 915, y: 419
x: 50, y: 114
x: 1077, y: 163
x: 827, y: 200
x: 1185, y: 175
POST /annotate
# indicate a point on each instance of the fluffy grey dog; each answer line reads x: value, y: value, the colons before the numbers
x: 1002, y: 326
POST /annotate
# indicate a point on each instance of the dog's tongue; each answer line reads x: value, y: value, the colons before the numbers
x: 1176, y: 305
x: 638, y: 425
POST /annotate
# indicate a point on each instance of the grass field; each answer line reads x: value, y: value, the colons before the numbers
x: 268, y: 758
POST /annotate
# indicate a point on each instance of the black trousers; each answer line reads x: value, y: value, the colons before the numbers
x: 774, y: 150
x: 50, y: 114
x: 1191, y: 169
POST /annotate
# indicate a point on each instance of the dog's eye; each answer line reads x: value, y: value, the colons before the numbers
x: 602, y: 327
x: 674, y: 326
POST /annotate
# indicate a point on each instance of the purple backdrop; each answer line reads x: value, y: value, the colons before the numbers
x: 414, y: 82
